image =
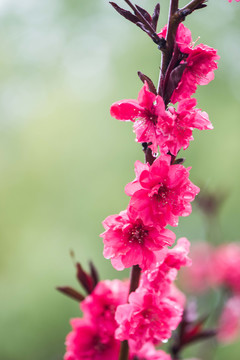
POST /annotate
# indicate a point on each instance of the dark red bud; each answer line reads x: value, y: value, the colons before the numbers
x: 144, y: 78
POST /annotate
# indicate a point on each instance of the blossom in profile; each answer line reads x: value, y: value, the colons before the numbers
x: 147, y: 317
x: 161, y: 192
x: 200, y: 62
x: 186, y: 118
x: 229, y: 323
x: 128, y: 241
x: 146, y: 112
x: 200, y: 66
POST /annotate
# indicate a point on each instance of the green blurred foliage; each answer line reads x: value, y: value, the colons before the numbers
x: 64, y: 162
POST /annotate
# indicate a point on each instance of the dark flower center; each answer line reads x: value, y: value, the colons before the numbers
x: 137, y: 234
x: 151, y: 116
x: 150, y: 314
x: 162, y: 194
x: 98, y: 345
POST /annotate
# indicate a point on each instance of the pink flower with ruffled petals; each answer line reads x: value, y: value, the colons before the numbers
x: 185, y: 119
x: 229, y: 323
x: 161, y: 192
x: 235, y: 0
x: 147, y: 317
x: 200, y: 64
x: 146, y: 112
x: 127, y: 241
x: 99, y: 307
x: 148, y: 352
x: 86, y: 343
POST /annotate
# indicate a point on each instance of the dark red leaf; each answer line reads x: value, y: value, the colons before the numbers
x: 84, y: 279
x: 70, y: 292
x: 125, y: 13
x: 205, y: 334
x: 179, y: 161
x: 155, y: 16
x: 144, y: 13
x: 94, y: 273
x: 142, y: 26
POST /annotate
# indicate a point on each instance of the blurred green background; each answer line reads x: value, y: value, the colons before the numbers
x: 64, y: 162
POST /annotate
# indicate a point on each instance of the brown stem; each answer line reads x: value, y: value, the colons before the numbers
x: 135, y: 277
x: 134, y: 281
x: 170, y: 38
x: 124, y: 350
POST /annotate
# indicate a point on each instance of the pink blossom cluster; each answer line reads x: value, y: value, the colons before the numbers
x: 93, y: 336
x: 168, y: 128
x: 159, y: 195
x: 217, y: 267
x: 138, y: 236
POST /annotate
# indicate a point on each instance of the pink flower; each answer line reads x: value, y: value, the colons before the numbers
x: 127, y: 241
x: 229, y: 324
x: 148, y: 352
x: 147, y: 317
x: 85, y: 343
x: 226, y: 269
x: 99, y: 307
x: 200, y: 64
x: 146, y: 112
x: 185, y: 119
x: 235, y: 0
x: 183, y: 37
x: 161, y: 192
